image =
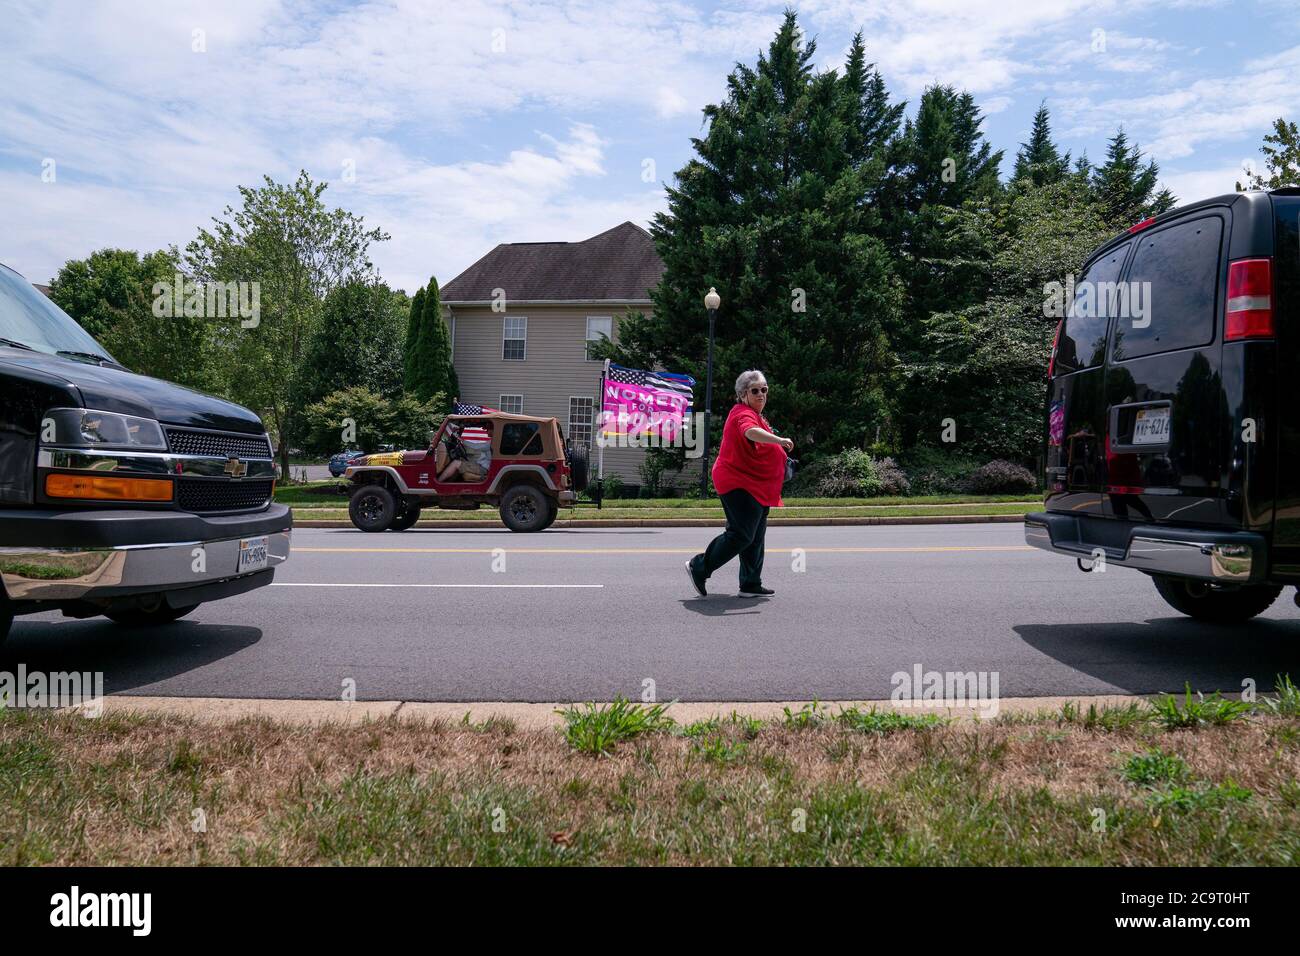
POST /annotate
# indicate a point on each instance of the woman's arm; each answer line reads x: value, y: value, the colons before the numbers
x: 754, y: 433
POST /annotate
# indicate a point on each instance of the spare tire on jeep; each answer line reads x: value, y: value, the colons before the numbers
x: 579, y: 464
x: 525, y: 508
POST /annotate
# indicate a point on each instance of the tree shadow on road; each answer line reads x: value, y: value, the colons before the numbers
x: 1162, y: 654
x: 128, y: 657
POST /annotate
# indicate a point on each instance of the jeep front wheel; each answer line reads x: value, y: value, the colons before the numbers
x: 525, y: 508
x: 408, y: 517
x: 1217, y: 604
x: 372, y: 508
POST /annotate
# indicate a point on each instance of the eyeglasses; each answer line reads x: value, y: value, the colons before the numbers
x: 758, y: 390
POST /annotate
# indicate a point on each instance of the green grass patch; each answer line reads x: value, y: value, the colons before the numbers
x: 598, y: 728
x: 875, y: 721
x: 1201, y: 711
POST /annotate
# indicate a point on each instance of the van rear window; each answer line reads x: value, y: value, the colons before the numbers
x: 1083, y: 340
x: 1177, y: 309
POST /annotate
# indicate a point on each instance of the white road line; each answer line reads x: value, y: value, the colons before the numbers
x: 315, y: 584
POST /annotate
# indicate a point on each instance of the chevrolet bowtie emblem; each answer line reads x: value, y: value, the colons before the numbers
x: 235, y: 468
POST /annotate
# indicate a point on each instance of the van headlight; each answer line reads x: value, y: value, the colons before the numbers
x: 87, y: 428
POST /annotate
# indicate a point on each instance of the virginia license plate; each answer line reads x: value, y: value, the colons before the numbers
x: 252, y: 554
x: 1151, y: 426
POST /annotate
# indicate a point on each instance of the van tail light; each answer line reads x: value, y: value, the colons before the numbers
x: 1056, y: 341
x: 1139, y: 226
x: 1249, y: 313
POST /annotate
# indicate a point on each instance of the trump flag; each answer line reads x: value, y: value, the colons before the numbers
x: 636, y: 402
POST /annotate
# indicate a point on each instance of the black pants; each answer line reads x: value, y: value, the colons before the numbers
x: 745, y: 534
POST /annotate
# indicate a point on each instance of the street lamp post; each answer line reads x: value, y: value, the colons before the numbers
x: 711, y: 302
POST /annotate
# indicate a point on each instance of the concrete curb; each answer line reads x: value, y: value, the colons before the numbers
x: 536, y: 716
x: 495, y: 525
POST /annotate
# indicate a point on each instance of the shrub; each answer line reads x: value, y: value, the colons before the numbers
x: 893, y: 480
x: 937, y: 471
x: 852, y: 473
x: 1000, y: 477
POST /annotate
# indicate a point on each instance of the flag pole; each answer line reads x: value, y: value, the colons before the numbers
x: 600, y: 458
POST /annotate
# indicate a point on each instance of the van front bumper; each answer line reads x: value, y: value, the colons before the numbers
x: 105, y: 555
x: 1237, y: 557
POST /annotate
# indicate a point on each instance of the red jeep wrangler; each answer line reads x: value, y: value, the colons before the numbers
x: 518, y: 463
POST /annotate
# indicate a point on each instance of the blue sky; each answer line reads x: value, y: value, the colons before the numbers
x: 474, y: 122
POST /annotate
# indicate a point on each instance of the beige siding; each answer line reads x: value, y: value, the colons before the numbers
x: 554, y: 370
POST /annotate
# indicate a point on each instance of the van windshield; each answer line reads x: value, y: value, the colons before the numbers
x: 29, y: 320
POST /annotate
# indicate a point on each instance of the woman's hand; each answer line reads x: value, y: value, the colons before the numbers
x: 787, y: 444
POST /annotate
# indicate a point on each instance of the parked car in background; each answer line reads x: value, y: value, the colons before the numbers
x: 339, y: 463
x: 1173, y: 439
x: 121, y: 495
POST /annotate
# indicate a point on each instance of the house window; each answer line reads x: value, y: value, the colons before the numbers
x: 514, y: 404
x: 582, y: 413
x: 514, y: 345
x: 599, y: 327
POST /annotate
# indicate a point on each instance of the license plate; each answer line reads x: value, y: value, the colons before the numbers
x: 252, y: 554
x: 1151, y: 426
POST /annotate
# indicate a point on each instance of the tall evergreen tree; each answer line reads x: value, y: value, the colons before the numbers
x: 1039, y: 161
x: 1125, y: 188
x: 410, y: 347
x: 434, y: 374
x: 775, y: 211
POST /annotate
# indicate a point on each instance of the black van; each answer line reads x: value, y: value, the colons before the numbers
x: 1173, y: 446
x: 120, y: 494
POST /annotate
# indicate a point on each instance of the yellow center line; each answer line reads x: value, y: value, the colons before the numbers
x: 297, y: 550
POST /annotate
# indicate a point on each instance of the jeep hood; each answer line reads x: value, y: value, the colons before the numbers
x: 115, y: 390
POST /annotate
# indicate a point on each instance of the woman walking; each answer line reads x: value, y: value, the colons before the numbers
x: 747, y: 476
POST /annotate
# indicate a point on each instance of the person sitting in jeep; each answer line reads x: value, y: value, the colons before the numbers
x: 465, y: 453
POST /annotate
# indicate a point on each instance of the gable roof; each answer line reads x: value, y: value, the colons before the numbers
x: 619, y: 264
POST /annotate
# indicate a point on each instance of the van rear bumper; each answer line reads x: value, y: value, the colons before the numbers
x: 1239, y: 557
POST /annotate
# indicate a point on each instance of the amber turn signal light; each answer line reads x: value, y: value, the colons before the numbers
x: 108, y: 488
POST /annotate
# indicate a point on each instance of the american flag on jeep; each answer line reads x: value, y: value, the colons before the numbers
x: 463, y: 408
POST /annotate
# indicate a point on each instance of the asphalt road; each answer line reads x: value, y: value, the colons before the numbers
x: 591, y: 614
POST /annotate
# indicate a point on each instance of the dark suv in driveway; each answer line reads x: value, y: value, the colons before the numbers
x: 120, y: 494
x: 1173, y: 440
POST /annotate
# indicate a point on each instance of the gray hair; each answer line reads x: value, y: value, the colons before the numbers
x: 747, y: 379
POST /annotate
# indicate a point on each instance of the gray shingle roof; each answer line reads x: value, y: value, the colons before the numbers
x: 618, y: 264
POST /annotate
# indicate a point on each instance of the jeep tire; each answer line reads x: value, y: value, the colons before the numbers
x: 525, y: 508
x: 372, y: 508
x: 405, y: 518
x: 579, y: 466
x: 1214, y: 603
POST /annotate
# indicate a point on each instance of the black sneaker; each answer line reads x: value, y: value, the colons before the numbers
x: 756, y: 591
x: 697, y: 579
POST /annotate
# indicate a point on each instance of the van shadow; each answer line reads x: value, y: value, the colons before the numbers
x: 1164, y: 654
x: 128, y: 657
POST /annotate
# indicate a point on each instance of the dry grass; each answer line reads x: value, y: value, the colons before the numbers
x: 124, y: 789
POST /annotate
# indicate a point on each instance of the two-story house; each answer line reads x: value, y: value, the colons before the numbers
x: 523, y: 318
